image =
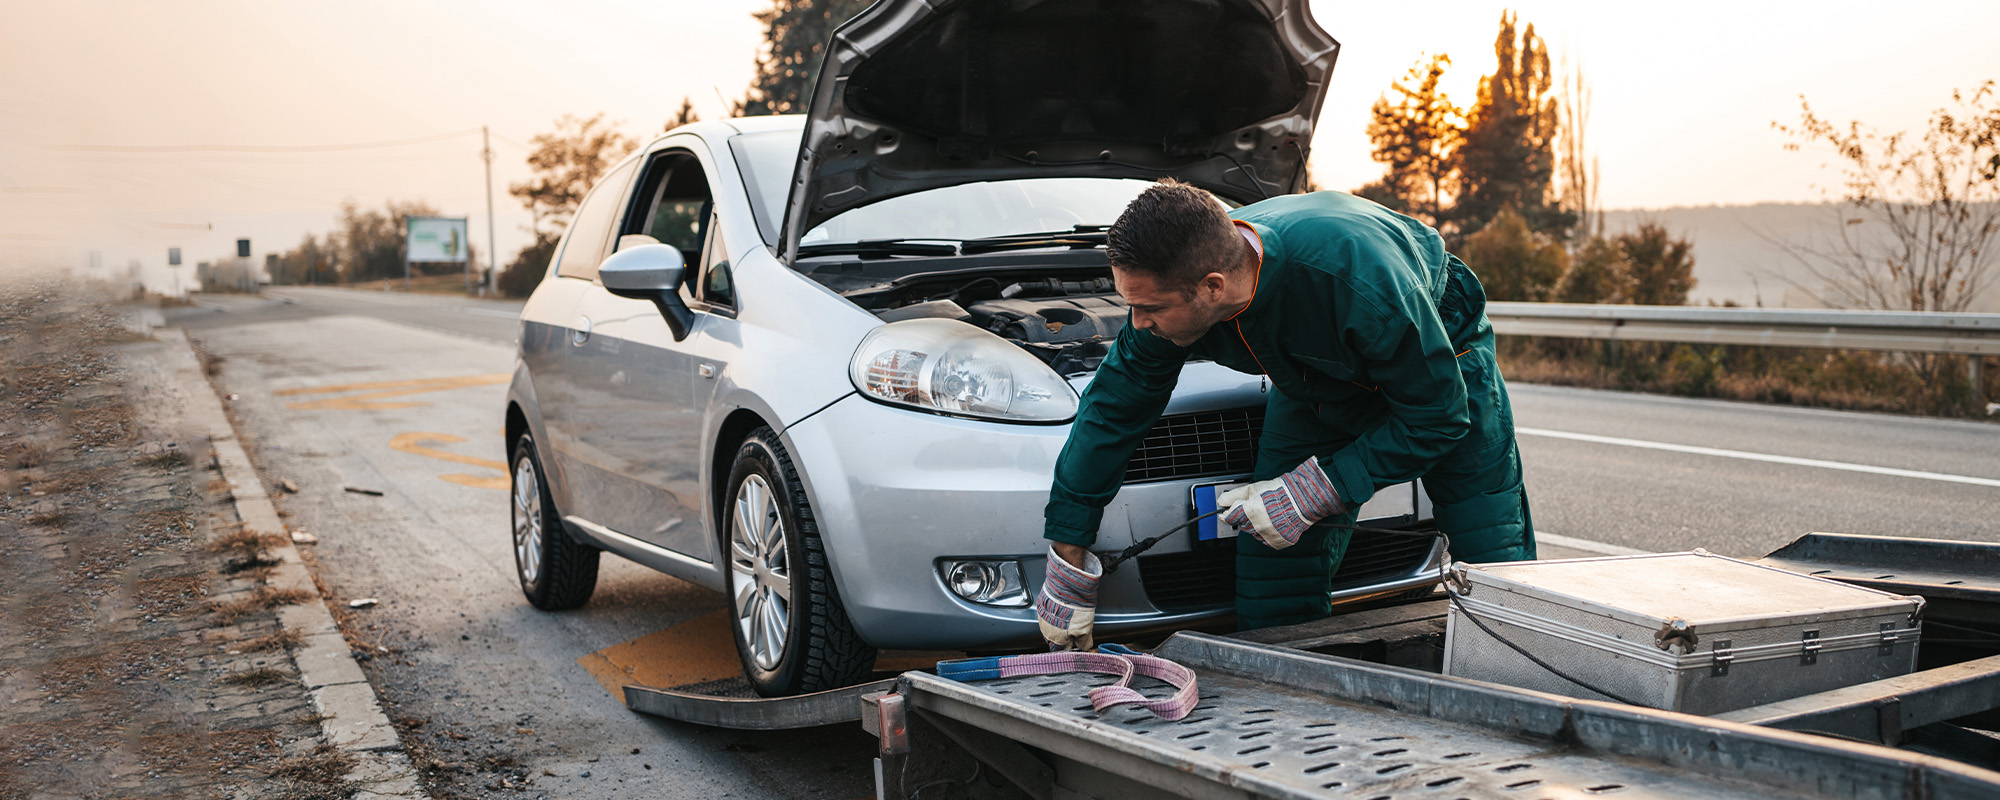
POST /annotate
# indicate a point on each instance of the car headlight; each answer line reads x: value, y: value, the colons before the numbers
x: 948, y: 366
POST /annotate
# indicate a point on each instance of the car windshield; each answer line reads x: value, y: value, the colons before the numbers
x: 953, y: 213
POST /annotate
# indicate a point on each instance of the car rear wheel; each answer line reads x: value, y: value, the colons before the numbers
x: 556, y: 572
x: 791, y: 631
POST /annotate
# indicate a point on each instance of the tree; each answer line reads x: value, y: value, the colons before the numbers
x: 371, y: 243
x: 1918, y: 217
x: 1508, y: 157
x: 566, y: 162
x: 685, y: 115
x: 1597, y: 274
x: 796, y: 33
x: 1578, y: 166
x: 1660, y: 268
x: 315, y: 260
x: 1514, y: 262
x: 526, y: 270
x: 1416, y: 137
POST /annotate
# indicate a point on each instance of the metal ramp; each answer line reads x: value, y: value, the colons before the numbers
x: 1280, y: 723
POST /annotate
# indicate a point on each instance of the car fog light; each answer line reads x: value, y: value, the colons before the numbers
x: 987, y: 582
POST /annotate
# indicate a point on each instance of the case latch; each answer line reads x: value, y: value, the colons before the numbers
x: 1809, y: 648
x: 1889, y: 637
x: 1723, y: 655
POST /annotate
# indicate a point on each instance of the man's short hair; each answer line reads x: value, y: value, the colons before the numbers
x: 1175, y: 233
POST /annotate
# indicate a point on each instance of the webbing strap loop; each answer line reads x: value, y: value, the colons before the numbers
x: 1112, y: 659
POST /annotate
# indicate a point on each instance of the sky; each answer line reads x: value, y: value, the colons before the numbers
x: 1683, y: 100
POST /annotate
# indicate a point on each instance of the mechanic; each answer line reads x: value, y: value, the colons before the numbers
x: 1381, y: 366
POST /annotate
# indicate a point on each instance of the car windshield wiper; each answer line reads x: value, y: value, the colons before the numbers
x: 1080, y: 236
x: 882, y: 247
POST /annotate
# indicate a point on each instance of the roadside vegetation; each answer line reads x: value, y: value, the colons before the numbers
x: 1512, y: 184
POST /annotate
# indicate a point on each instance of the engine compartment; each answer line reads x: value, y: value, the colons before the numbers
x: 1068, y: 324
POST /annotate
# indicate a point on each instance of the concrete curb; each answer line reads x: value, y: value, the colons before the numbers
x: 354, y: 721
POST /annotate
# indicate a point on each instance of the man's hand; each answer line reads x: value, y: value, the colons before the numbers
x: 1067, y: 605
x: 1279, y: 511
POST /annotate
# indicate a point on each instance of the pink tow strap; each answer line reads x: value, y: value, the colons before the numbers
x: 1112, y: 660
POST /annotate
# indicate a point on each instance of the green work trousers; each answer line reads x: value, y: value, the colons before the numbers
x: 1475, y: 490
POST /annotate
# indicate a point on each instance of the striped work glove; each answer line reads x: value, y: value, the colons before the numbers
x: 1279, y: 511
x: 1067, y: 606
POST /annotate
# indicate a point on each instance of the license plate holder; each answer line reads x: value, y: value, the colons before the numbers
x: 1201, y: 498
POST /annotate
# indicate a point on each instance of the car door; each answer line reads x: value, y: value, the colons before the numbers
x: 558, y: 349
x: 649, y: 391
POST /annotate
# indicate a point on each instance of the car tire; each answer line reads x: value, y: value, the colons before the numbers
x: 791, y: 631
x: 557, y: 572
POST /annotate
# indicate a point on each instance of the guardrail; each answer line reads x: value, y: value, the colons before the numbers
x: 1908, y: 331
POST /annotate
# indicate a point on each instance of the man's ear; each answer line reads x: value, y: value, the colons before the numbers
x: 1212, y: 284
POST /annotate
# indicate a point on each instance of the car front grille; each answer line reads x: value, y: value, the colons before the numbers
x: 1205, y: 444
x: 1206, y: 578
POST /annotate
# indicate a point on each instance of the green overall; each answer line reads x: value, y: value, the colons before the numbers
x: 1380, y: 357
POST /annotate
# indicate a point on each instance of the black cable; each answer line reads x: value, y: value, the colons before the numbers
x: 1443, y: 578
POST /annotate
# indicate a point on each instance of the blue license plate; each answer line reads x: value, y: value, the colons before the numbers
x: 1211, y: 529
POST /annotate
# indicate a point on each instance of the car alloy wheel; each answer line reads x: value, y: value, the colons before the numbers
x: 760, y: 575
x: 791, y: 632
x: 527, y: 521
x: 556, y: 572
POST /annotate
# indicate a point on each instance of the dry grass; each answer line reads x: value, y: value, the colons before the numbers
x: 264, y: 598
x: 282, y: 640
x: 261, y: 676
x: 243, y: 542
x: 1858, y: 381
x: 54, y: 520
x: 319, y: 775
x: 169, y: 460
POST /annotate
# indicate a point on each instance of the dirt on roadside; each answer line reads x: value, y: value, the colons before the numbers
x: 138, y: 657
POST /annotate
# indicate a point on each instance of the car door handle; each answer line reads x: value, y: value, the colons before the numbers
x: 580, y: 332
x: 706, y: 370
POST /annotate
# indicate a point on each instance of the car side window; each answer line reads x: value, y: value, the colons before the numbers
x: 717, y: 287
x: 674, y: 201
x: 590, y: 228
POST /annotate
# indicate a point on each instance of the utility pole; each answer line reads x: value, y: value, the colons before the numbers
x: 492, y: 256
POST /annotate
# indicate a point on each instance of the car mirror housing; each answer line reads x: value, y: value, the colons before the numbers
x: 650, y: 272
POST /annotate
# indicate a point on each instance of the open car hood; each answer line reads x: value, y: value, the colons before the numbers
x: 922, y: 94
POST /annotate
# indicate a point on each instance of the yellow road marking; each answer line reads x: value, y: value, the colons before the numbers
x: 381, y: 389
x: 695, y: 651
x: 702, y: 650
x: 414, y: 442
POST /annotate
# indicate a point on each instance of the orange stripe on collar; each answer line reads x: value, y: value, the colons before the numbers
x: 1255, y: 278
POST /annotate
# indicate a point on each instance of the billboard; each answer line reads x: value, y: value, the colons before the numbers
x: 436, y: 239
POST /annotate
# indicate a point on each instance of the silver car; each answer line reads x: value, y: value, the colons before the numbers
x: 825, y: 363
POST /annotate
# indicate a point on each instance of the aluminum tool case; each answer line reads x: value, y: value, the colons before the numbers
x: 1692, y: 632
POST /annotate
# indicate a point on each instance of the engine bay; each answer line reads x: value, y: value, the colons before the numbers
x: 1068, y: 324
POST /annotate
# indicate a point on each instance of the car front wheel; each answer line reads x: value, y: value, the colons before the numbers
x: 556, y: 572
x: 791, y: 632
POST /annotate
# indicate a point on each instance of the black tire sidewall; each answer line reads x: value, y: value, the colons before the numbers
x: 756, y: 457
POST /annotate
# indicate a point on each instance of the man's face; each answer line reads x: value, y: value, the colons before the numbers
x: 1176, y: 317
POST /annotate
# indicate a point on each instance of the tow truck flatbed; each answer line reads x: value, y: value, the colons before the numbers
x: 1354, y: 704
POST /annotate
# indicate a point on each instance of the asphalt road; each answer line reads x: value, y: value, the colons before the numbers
x: 398, y: 393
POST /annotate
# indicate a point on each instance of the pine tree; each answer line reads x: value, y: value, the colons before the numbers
x: 685, y: 115
x: 796, y: 33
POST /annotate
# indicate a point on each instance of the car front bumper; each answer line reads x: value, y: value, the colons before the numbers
x: 895, y: 490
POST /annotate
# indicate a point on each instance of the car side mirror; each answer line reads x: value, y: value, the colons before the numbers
x: 650, y: 272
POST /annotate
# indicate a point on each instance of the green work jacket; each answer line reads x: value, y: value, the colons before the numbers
x: 1345, y: 317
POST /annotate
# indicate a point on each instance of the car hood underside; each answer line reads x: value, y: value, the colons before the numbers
x: 922, y: 94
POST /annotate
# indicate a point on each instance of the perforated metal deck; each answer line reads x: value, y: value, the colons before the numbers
x: 1278, y: 723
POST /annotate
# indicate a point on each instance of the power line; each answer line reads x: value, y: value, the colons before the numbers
x: 250, y: 148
